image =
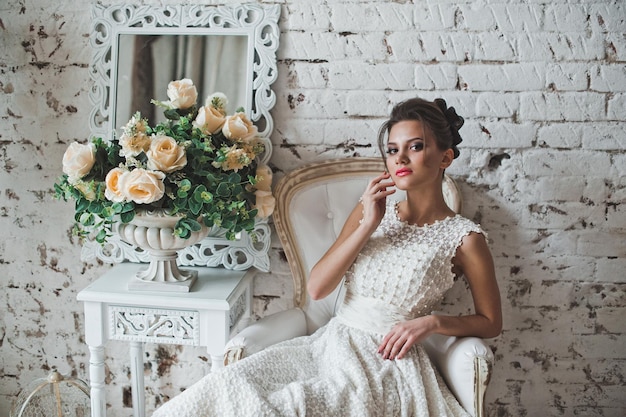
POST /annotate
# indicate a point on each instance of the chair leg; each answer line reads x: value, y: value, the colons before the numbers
x: 482, y: 375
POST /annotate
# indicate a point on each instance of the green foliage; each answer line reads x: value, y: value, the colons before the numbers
x: 207, y: 190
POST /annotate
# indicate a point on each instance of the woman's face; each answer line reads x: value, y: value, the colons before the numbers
x: 413, y: 157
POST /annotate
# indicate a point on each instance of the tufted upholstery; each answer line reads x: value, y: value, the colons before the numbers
x: 313, y: 203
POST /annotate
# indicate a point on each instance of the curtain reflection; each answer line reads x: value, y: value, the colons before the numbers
x: 147, y: 63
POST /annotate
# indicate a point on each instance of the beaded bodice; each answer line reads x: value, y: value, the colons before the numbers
x: 406, y: 266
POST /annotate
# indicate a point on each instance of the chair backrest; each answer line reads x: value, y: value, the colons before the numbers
x: 312, y: 204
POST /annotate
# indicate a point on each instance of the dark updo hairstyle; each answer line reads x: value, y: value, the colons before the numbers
x: 441, y: 120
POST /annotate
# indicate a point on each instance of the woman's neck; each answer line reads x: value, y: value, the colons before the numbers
x: 424, y: 206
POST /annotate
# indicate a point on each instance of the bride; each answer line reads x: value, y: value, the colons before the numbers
x: 399, y: 259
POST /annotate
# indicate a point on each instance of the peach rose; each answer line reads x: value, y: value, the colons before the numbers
x: 265, y: 203
x: 239, y: 127
x: 113, y: 192
x: 264, y: 178
x: 182, y: 93
x: 165, y: 154
x: 209, y: 120
x: 142, y: 186
x: 78, y: 160
x: 133, y: 145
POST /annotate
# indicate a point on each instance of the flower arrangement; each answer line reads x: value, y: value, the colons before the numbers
x: 200, y: 164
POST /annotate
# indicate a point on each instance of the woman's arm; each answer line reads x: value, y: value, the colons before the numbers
x: 365, y: 217
x: 474, y: 260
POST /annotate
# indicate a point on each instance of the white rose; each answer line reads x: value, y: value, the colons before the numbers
x: 217, y: 100
x: 182, y: 93
x: 78, y: 160
x: 165, y: 154
x: 239, y: 127
x: 142, y: 186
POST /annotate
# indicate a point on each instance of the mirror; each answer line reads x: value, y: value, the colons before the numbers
x: 138, y: 49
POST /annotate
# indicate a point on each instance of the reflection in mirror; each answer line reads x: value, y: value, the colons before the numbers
x: 216, y: 63
x: 231, y: 49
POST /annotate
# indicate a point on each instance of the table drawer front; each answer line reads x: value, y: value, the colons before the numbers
x: 154, y: 325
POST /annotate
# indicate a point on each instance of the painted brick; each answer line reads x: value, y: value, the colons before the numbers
x: 609, y: 16
x: 496, y: 105
x: 305, y: 16
x: 591, y: 243
x: 429, y: 16
x: 617, y: 107
x: 608, y: 78
x: 603, y: 136
x: 500, y: 17
x: 323, y: 46
x: 351, y: 75
x: 561, y: 135
x: 357, y: 17
x: 488, y: 134
x: 563, y: 18
x: 294, y: 74
x: 548, y: 162
x: 367, y: 103
x: 571, y: 46
x: 610, y: 269
x: 567, y: 76
x: 507, y: 77
x: 572, y: 106
x: 435, y: 77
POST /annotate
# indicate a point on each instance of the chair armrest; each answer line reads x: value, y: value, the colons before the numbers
x: 265, y: 332
x: 465, y: 364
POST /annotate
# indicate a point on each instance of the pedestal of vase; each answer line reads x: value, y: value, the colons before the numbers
x: 154, y: 233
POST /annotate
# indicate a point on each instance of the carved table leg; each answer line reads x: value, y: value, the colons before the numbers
x: 96, y: 381
x: 137, y: 383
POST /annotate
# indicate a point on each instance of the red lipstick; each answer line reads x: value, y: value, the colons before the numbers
x: 402, y: 172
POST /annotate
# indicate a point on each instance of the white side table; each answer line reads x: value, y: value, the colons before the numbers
x: 206, y: 316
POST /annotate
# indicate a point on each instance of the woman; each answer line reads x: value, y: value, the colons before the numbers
x: 399, y: 259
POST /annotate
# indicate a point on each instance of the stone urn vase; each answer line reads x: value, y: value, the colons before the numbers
x: 153, y: 232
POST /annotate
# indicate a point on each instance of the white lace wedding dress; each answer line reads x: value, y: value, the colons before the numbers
x: 402, y: 273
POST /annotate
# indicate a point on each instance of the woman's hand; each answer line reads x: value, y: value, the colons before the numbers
x: 374, y: 199
x: 403, y: 336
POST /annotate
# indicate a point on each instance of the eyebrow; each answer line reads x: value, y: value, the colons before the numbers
x: 408, y: 141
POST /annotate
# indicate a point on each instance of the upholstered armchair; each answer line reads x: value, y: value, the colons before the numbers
x: 312, y: 205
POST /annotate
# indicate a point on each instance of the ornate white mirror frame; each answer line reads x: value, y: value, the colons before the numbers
x: 259, y: 23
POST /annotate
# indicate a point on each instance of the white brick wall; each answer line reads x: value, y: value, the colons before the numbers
x: 542, y: 85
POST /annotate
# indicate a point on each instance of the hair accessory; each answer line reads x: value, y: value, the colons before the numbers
x: 454, y: 120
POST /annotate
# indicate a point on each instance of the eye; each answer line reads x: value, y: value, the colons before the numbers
x: 391, y: 151
x: 417, y: 146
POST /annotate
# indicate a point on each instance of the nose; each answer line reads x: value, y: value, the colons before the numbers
x: 400, y: 157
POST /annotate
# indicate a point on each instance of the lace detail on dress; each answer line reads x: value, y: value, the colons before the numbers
x: 409, y: 266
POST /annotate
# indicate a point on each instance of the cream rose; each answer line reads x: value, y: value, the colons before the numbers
x: 142, y: 186
x: 209, y: 120
x: 265, y: 203
x: 182, y: 93
x: 238, y: 126
x: 165, y: 154
x: 264, y: 178
x: 78, y: 160
x: 113, y: 192
x: 87, y: 189
x: 217, y: 100
x: 133, y: 145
